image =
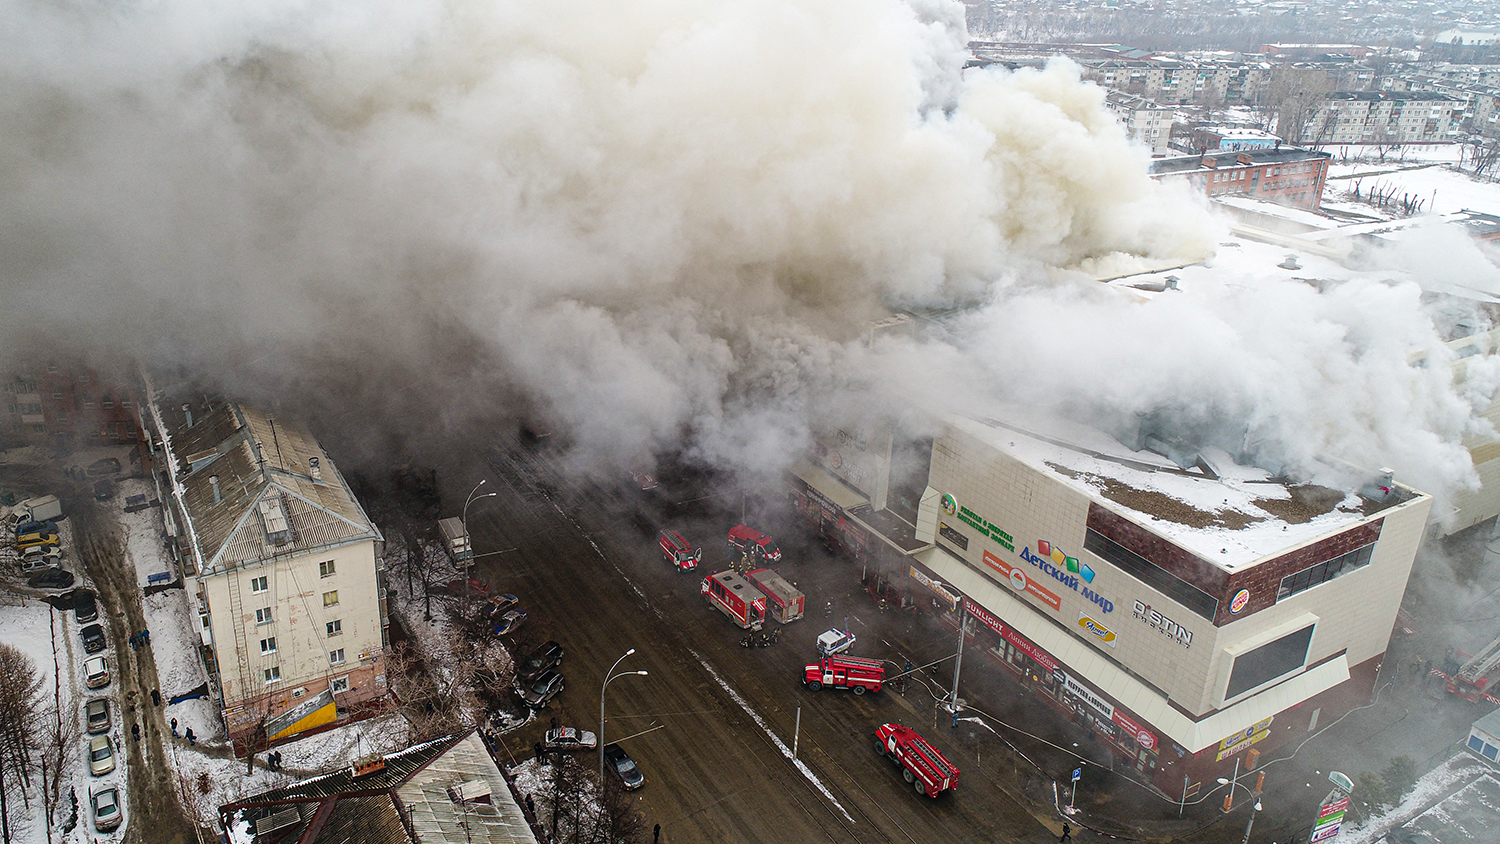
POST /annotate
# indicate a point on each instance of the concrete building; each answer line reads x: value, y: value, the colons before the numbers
x: 1285, y: 175
x: 1148, y: 123
x: 1376, y: 117
x: 1232, y: 139
x: 1459, y: 37
x: 280, y: 559
x: 1190, y: 611
x: 444, y: 791
x: 64, y: 404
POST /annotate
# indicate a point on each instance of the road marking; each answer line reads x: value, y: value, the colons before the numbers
x: 780, y: 745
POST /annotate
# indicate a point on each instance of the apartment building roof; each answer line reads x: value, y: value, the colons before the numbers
x: 1218, y: 160
x: 1392, y: 96
x: 253, y: 487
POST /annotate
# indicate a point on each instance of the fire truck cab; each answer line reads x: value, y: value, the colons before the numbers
x: 922, y: 765
x: 752, y: 547
x: 678, y: 551
x: 855, y: 673
x: 787, y: 602
x: 735, y: 597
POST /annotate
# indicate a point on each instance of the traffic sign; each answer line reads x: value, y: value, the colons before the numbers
x: 1077, y: 774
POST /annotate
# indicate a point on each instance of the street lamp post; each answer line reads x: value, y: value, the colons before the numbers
x: 1254, y: 809
x: 468, y: 541
x: 610, y: 676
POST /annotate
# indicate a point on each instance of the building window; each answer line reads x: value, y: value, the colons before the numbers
x: 1325, y: 571
x: 84, y: 379
x: 259, y: 584
x: 325, y: 568
x: 336, y: 657
x: 268, y: 645
x: 339, y: 684
x: 57, y: 396
x: 107, y: 402
x: 1151, y: 574
x: 263, y: 616
x: 88, y: 400
x: 331, y: 598
x: 336, y: 627
x: 272, y: 674
x: 1275, y: 659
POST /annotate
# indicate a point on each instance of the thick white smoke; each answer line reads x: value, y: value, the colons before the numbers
x: 658, y: 224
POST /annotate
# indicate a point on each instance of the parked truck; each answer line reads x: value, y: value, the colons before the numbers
x: 749, y: 548
x: 44, y: 509
x: 855, y: 673
x: 922, y: 765
x: 784, y: 602
x: 733, y: 596
x: 455, y: 539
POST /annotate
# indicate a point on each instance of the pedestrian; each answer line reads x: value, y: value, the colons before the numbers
x: 135, y: 731
x: 146, y: 637
x: 530, y: 807
x: 554, y: 722
x: 1067, y: 835
x: 955, y: 718
x: 155, y: 697
x: 191, y: 739
x: 656, y: 834
x: 538, y: 749
x: 132, y: 641
x: 278, y: 760
x: 174, y: 728
x: 117, y: 741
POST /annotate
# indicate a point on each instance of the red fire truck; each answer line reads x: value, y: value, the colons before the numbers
x: 751, y: 547
x: 678, y: 551
x: 786, y: 601
x: 921, y: 763
x: 736, y: 598
x: 845, y: 672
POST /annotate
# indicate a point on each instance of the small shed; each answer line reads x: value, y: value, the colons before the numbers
x: 1484, y: 738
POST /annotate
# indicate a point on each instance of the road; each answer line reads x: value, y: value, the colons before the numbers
x: 584, y: 561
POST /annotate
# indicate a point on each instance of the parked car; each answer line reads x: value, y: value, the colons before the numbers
x: 104, y: 489
x: 96, y: 714
x: 620, y: 762
x: 95, y: 672
x: 546, y: 657
x: 101, y: 756
x: 26, y: 527
x: 40, y: 556
x: 569, y: 738
x: 32, y: 540
x: 543, y: 689
x: 106, y: 806
x: 93, y: 638
x: 107, y: 466
x: 52, y: 578
x: 835, y: 641
x: 105, y: 803
x: 498, y: 604
x: 508, y: 622
x: 84, y: 606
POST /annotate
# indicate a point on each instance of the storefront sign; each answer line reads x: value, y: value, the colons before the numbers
x: 1102, y: 633
x: 1087, y: 695
x: 1038, y: 655
x: 1241, y: 598
x: 1229, y: 751
x: 979, y: 523
x: 953, y: 536
x: 976, y: 611
x: 1144, y: 737
x: 937, y: 587
x: 1330, y: 817
x: 1067, y: 571
x: 1020, y: 582
x: 1258, y: 727
x: 1167, y: 626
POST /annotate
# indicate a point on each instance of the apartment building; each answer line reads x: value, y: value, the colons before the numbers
x: 282, y: 563
x: 1147, y: 123
x: 1286, y: 175
x: 64, y: 404
x: 1374, y: 117
x: 1193, y: 612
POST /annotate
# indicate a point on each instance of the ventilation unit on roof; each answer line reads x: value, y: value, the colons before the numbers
x: 275, y: 821
x: 469, y: 792
x: 367, y: 765
x: 273, y: 518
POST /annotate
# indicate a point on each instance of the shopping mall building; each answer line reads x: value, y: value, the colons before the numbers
x: 1192, y: 612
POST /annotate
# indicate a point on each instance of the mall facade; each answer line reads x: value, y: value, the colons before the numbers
x: 1193, y: 613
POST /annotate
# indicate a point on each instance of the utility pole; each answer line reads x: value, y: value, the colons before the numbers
x: 963, y: 623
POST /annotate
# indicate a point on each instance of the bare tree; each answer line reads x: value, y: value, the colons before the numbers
x: 22, y: 721
x: 1291, y: 99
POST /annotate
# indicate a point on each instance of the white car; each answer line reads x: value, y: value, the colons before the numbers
x: 569, y: 738
x: 95, y: 672
x: 106, y: 803
x: 835, y: 641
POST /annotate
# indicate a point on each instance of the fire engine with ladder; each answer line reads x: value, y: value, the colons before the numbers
x: 1474, y: 678
x: 854, y: 673
x: 922, y: 765
x: 735, y: 597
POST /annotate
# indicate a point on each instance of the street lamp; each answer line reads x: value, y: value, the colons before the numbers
x: 469, y: 542
x: 610, y: 676
x: 1255, y: 809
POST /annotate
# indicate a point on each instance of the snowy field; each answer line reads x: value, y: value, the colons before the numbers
x: 1443, y: 190
x: 1451, y: 803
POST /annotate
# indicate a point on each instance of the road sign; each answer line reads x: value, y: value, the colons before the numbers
x: 1077, y: 774
x: 1341, y: 781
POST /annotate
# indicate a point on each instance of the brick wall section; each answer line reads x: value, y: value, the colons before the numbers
x: 1264, y: 579
x: 1160, y: 551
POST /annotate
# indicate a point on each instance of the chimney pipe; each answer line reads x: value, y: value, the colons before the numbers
x: 187, y: 409
x: 213, y: 481
x: 314, y: 467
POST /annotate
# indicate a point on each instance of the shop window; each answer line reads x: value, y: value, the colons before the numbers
x: 339, y: 684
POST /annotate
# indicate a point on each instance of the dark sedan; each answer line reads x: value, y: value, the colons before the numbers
x: 545, y: 658
x: 84, y: 607
x: 93, y: 638
x: 543, y: 689
x: 53, y: 578
x: 620, y: 762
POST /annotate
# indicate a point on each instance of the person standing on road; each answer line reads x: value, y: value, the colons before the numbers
x: 135, y: 731
x: 192, y: 741
x: 1067, y: 836
x: 656, y: 834
x: 174, y: 728
x: 155, y: 697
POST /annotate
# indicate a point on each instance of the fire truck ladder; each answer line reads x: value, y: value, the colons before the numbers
x: 1477, y: 669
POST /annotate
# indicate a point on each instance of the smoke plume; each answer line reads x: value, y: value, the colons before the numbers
x: 649, y: 226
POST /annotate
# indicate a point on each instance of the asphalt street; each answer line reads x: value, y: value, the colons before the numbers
x: 583, y: 559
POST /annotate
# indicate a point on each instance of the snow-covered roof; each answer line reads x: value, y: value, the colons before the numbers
x: 1230, y: 515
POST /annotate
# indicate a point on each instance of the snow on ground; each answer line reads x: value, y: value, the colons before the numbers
x: 1406, y: 155
x: 1442, y: 190
x: 1428, y: 794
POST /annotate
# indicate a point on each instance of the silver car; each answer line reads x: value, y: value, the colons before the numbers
x: 106, y: 805
x: 101, y: 756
